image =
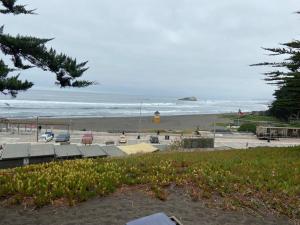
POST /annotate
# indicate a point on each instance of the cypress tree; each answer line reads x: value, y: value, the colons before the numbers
x: 286, y: 77
x: 27, y: 52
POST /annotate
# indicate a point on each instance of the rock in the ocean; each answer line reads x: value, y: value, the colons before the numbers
x: 194, y: 99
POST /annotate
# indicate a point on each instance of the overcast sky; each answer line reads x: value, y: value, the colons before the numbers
x: 171, y: 47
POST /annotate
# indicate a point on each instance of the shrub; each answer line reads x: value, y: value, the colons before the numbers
x: 248, y: 127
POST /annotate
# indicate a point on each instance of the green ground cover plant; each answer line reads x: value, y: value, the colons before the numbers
x: 261, y: 177
x: 248, y: 127
x: 252, y: 118
x: 259, y: 120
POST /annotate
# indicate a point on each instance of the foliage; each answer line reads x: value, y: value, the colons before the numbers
x: 258, y: 118
x: 261, y: 120
x: 286, y: 76
x: 11, y: 84
x: 10, y: 7
x: 251, y: 117
x: 27, y: 52
x: 248, y: 127
x: 253, y: 178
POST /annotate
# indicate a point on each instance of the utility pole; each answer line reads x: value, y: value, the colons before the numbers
x: 37, y: 129
x: 270, y: 135
x: 140, y: 120
x: 214, y: 131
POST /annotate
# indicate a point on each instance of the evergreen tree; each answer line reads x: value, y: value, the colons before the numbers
x: 27, y: 52
x: 286, y: 76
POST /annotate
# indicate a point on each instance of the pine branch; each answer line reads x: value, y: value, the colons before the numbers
x: 27, y: 52
x: 10, y: 7
x: 34, y: 51
x: 12, y: 85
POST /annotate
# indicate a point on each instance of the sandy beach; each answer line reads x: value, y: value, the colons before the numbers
x: 123, y: 207
x: 131, y: 124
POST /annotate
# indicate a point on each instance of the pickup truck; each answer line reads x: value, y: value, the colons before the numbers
x: 47, y: 136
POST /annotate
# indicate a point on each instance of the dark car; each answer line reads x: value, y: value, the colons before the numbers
x: 63, y: 138
x: 154, y: 140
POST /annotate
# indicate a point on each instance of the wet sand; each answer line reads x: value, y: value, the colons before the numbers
x: 132, y: 124
x: 123, y: 207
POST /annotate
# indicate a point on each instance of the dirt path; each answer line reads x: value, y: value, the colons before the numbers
x: 123, y: 207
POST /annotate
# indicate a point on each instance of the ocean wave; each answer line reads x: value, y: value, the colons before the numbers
x: 111, y: 107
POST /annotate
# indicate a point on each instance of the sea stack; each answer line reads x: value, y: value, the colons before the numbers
x: 193, y: 99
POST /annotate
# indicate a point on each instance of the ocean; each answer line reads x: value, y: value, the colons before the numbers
x: 86, y: 104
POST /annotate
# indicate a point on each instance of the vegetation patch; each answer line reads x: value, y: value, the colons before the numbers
x: 260, y: 120
x: 248, y: 127
x: 262, y: 177
x: 252, y: 118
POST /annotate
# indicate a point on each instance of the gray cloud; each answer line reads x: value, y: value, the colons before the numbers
x: 171, y: 47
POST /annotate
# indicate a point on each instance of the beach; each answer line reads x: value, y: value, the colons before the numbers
x: 131, y: 124
x: 127, y: 205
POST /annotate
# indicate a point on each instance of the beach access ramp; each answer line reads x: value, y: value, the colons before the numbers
x: 113, y: 151
x: 138, y: 148
x: 92, y: 151
x: 39, y: 150
x: 40, y: 153
x: 67, y: 151
x: 15, y: 151
x: 14, y: 155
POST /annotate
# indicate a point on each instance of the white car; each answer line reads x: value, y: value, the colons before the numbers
x: 47, y: 136
x: 122, y: 139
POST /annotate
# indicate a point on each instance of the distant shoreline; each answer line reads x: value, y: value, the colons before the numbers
x: 105, y: 117
x: 132, y: 124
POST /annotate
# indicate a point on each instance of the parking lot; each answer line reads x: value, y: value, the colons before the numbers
x: 222, y: 141
x: 98, y: 137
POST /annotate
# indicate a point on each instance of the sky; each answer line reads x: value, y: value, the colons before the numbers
x: 178, y: 48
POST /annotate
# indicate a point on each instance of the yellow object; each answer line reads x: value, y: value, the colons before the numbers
x: 138, y: 148
x: 156, y: 119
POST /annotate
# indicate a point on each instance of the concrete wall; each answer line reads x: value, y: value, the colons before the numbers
x: 37, y: 160
x: 11, y: 163
x: 198, y: 143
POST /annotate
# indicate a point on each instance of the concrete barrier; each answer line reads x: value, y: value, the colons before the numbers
x: 196, y: 142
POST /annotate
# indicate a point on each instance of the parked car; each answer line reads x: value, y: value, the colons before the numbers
x: 63, y: 138
x: 122, y: 139
x: 154, y: 140
x: 47, y: 136
x: 110, y: 143
x: 87, y: 139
